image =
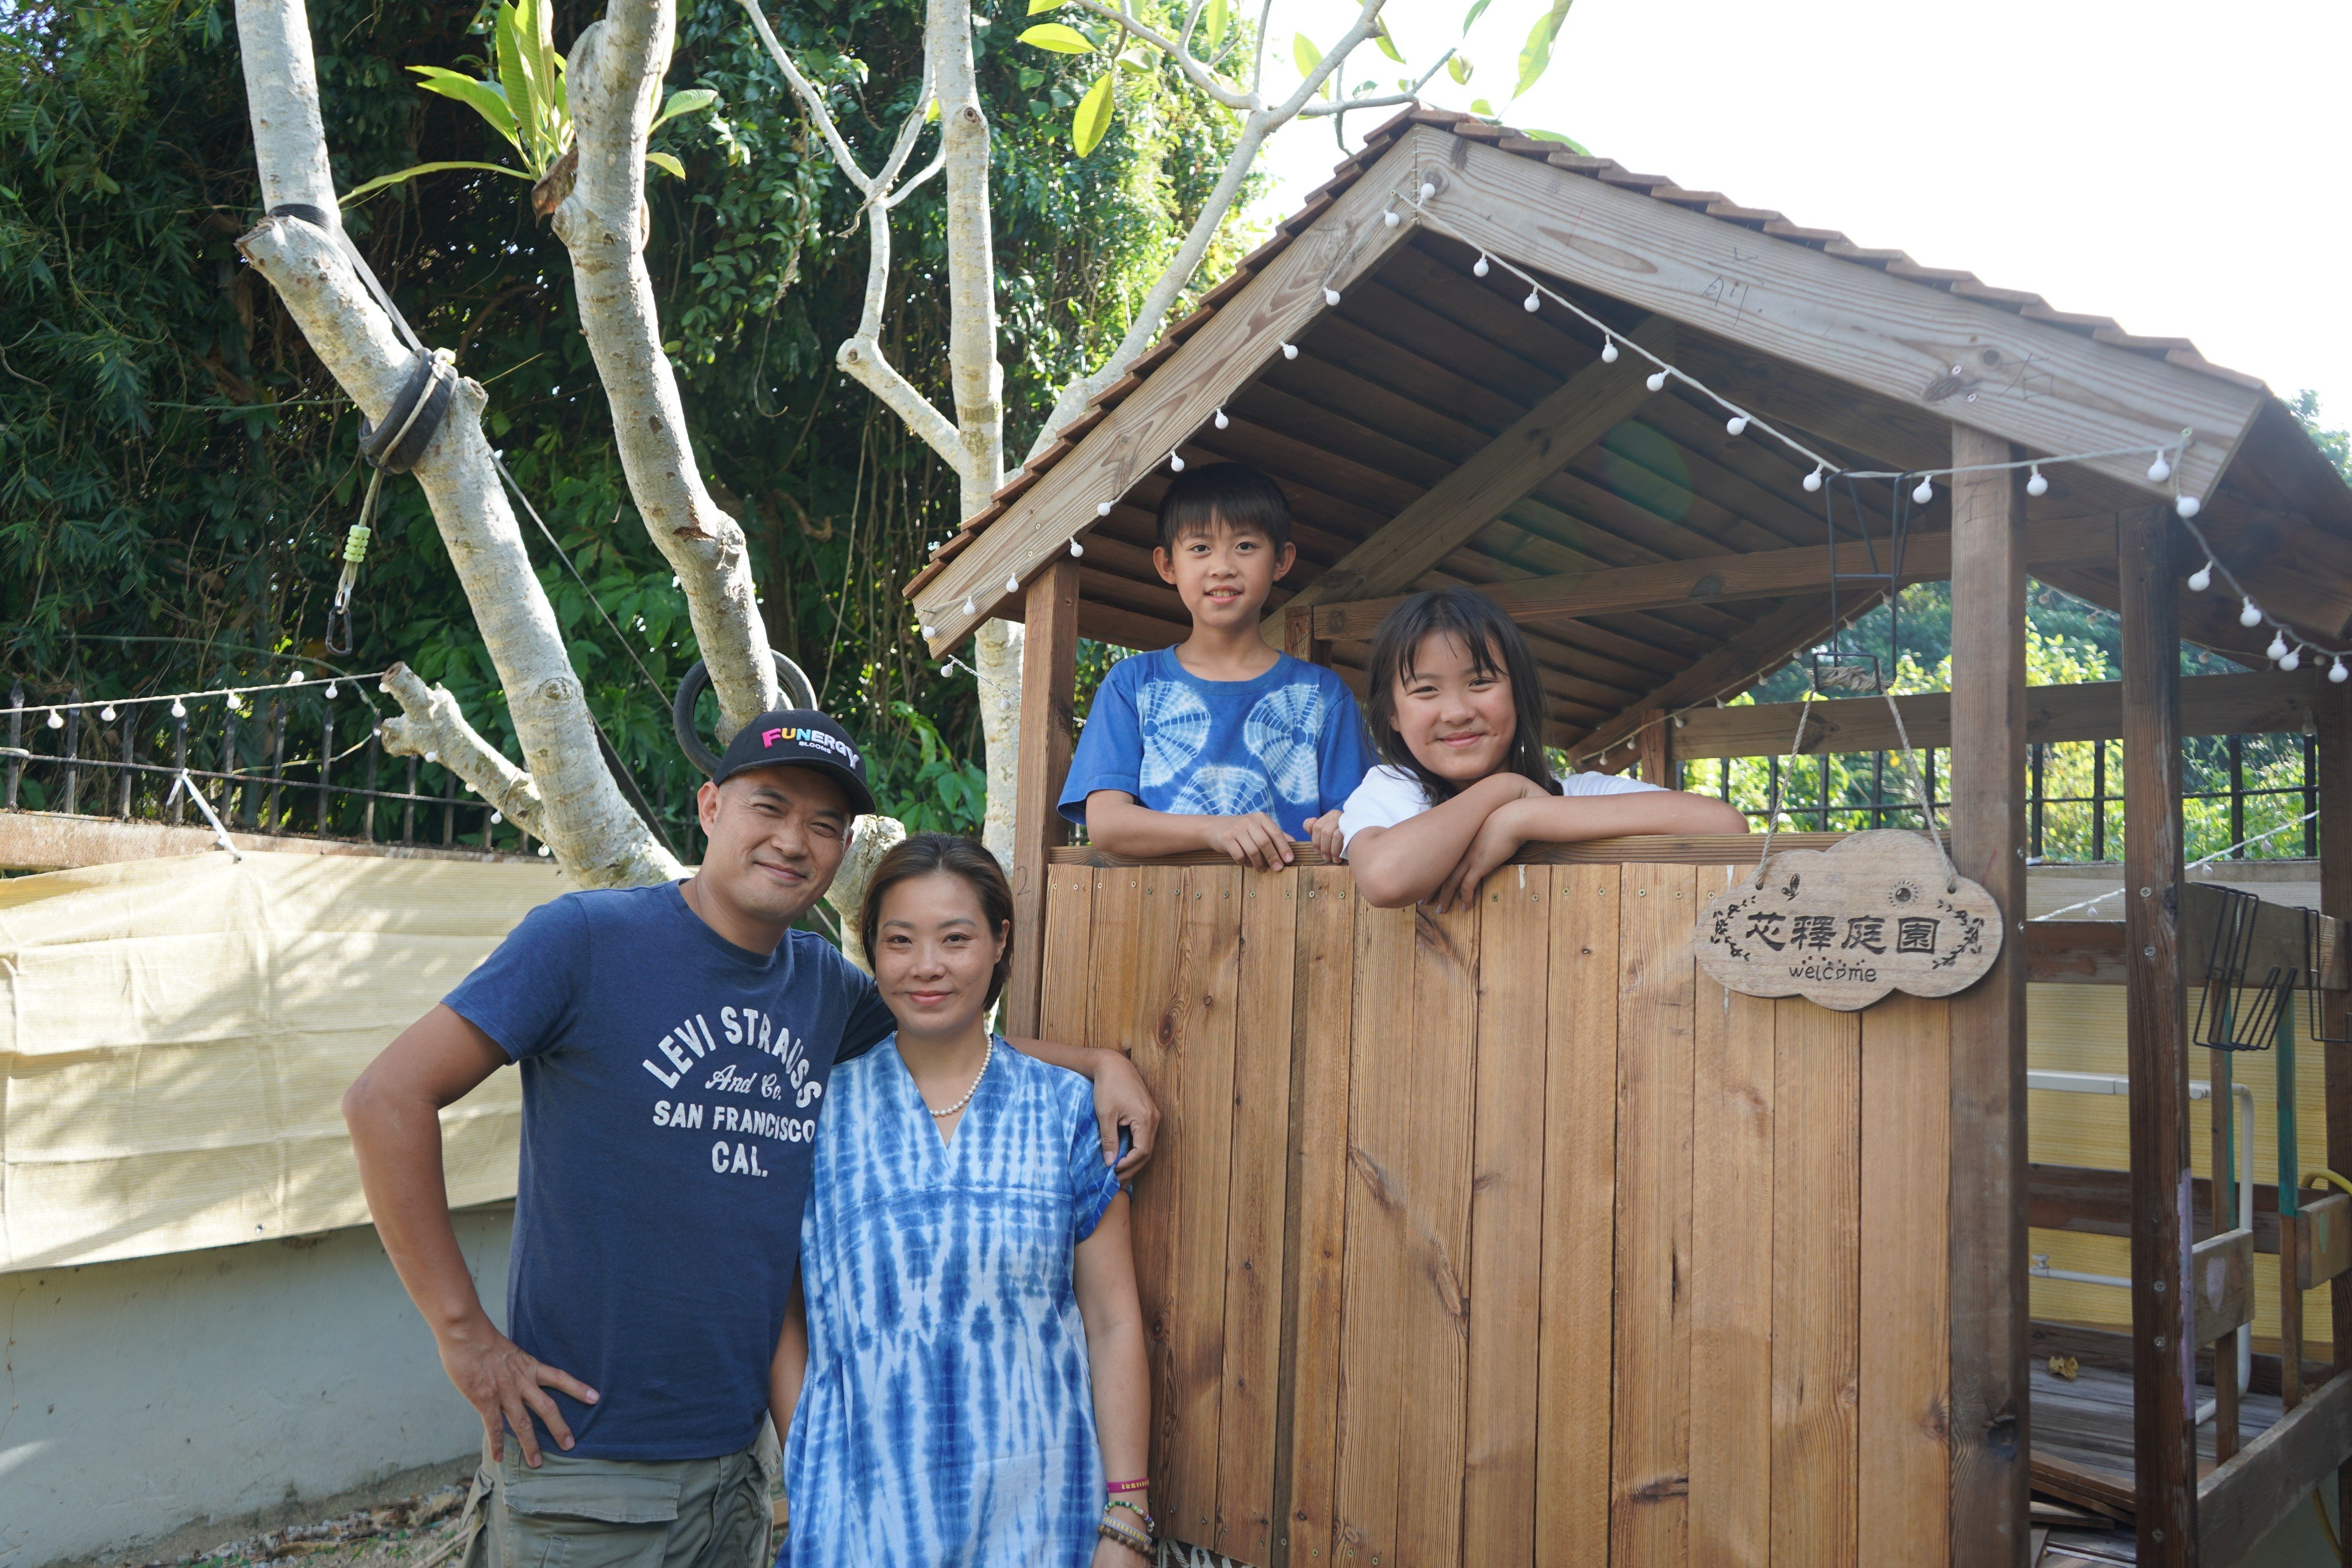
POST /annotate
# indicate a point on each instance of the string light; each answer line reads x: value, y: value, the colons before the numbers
x: 2337, y: 673
x: 2202, y: 579
x: 1924, y: 493
x: 1481, y: 267
x: 179, y: 708
x: 2249, y: 615
x: 925, y: 630
x: 1221, y: 421
x: 109, y: 708
x: 1657, y: 382
x: 2293, y: 660
x: 295, y: 679
x: 1813, y: 482
x: 1330, y: 295
x: 1737, y: 424
x: 57, y: 720
x: 1427, y: 190
x: 330, y: 691
x: 2277, y: 650
x: 1609, y: 351
x: 1290, y: 351
x: 544, y: 852
x: 106, y: 714
x: 1176, y: 462
x: 1012, y: 583
x: 1392, y: 218
x: 497, y: 817
x: 969, y: 607
x: 2159, y: 470
x: 1076, y: 549
x: 2037, y: 485
x: 1534, y: 301
x: 1103, y: 510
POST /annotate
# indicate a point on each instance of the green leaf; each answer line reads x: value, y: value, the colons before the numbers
x: 1535, y: 57
x: 484, y: 98
x: 1037, y: 5
x: 381, y: 181
x: 666, y: 163
x: 1303, y: 52
x: 691, y: 101
x: 1480, y: 106
x: 1091, y: 124
x: 1478, y: 10
x: 1213, y: 23
x: 931, y: 112
x: 1459, y: 67
x: 1060, y: 38
x: 538, y: 19
x: 522, y: 93
x: 1388, y: 44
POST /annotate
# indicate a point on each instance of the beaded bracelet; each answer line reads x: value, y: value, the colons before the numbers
x: 1150, y: 1525
x: 1134, y: 1486
x: 1140, y: 1544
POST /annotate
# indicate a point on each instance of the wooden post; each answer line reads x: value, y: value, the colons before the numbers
x: 2157, y: 1034
x: 2223, y: 1185
x: 1049, y: 674
x: 1298, y: 638
x: 1990, y: 1461
x: 2334, y: 717
x: 1654, y: 751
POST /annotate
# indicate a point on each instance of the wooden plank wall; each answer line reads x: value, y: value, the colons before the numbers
x: 1504, y: 1237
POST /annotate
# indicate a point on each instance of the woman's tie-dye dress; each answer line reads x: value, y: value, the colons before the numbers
x: 948, y: 1417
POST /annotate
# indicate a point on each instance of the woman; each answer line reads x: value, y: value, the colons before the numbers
x: 961, y: 1372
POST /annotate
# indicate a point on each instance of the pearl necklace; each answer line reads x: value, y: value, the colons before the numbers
x: 986, y: 1056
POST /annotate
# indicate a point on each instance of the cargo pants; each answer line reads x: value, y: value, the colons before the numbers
x: 574, y: 1512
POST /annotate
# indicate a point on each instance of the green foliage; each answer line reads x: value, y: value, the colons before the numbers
x: 2334, y: 445
x: 177, y: 472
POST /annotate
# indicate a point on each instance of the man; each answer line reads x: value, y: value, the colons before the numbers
x: 675, y: 1044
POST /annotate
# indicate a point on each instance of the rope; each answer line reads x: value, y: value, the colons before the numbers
x: 2197, y: 865
x: 1788, y: 767
x: 220, y: 834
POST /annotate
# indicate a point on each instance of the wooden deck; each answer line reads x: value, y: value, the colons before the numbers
x: 2088, y: 1422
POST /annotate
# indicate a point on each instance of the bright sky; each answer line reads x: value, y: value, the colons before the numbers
x: 2173, y: 166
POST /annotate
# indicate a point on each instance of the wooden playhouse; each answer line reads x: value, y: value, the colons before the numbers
x: 1506, y: 1237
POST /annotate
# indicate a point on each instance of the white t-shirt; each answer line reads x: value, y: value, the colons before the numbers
x: 1389, y: 794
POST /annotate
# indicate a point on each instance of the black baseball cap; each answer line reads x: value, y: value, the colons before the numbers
x: 800, y: 737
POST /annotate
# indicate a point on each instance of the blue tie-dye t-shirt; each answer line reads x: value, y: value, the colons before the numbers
x: 1289, y: 743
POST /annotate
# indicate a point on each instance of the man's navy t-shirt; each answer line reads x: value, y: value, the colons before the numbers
x: 671, y: 1082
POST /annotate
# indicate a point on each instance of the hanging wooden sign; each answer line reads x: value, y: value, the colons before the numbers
x: 1844, y: 926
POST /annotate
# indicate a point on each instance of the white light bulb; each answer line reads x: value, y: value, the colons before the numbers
x: 179, y: 708
x: 1103, y: 511
x: 1481, y: 267
x: 295, y: 679
x: 56, y: 720
x: 1427, y: 190
x: 1924, y: 493
x: 1176, y: 462
x: 2277, y: 650
x: 1076, y: 549
x: 1657, y: 382
x: 330, y: 691
x: 2202, y: 579
x: 2159, y: 470
x: 969, y: 607
x: 432, y: 756
x: 2337, y: 673
x: 1813, y: 482
x: 106, y: 714
x: 2037, y: 485
x: 1012, y: 583
x: 1534, y: 301
x: 1609, y: 351
x: 544, y: 852
x: 497, y: 817
x: 2249, y: 615
x: 2187, y: 506
x: 2294, y: 659
x: 925, y: 630
x: 1392, y: 217
x: 1290, y: 351
x: 1330, y: 295
x: 1221, y: 422
x: 1737, y: 424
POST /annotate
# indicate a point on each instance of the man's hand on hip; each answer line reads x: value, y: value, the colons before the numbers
x: 507, y: 1386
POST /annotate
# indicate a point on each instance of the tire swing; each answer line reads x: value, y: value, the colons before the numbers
x: 797, y: 692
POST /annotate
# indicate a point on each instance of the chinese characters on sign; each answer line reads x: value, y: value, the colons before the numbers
x: 1845, y: 926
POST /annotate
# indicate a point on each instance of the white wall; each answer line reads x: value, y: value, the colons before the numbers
x: 141, y: 1395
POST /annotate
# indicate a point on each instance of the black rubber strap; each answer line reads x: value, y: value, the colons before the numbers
x: 329, y: 224
x: 383, y: 444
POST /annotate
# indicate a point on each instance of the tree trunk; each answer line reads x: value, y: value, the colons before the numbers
x: 581, y: 813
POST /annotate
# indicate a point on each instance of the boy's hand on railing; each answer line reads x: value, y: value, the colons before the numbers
x: 1255, y: 839
x: 1323, y: 832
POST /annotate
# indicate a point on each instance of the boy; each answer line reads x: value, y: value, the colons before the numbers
x: 1220, y: 743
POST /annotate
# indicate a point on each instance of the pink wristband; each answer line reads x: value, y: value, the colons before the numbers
x: 1135, y: 1486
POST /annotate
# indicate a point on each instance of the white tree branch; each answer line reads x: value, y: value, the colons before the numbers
x: 810, y: 99
x: 582, y: 815
x: 616, y: 74
x: 1368, y: 19
x: 1177, y: 52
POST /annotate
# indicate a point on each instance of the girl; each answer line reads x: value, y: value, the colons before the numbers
x: 968, y: 1358
x: 1457, y: 716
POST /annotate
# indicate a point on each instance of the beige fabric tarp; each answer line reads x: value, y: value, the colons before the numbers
x: 175, y: 1036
